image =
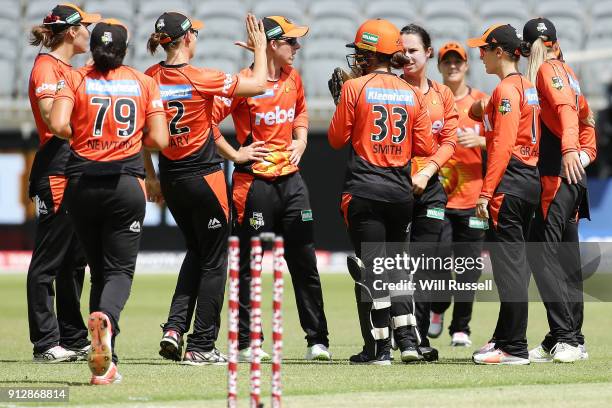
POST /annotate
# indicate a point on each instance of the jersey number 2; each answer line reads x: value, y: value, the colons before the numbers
x: 173, y: 125
x: 381, y: 123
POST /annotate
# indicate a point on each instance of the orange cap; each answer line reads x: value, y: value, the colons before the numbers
x: 452, y: 46
x: 379, y: 36
x: 278, y: 26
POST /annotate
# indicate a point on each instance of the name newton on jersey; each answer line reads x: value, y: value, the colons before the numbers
x: 391, y: 96
x: 125, y: 87
x: 174, y: 92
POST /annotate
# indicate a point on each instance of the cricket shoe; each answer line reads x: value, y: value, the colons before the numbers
x: 427, y: 353
x: 244, y: 355
x: 565, y: 353
x: 410, y: 354
x: 171, y: 345
x: 461, y: 339
x: 111, y: 376
x: 584, y: 354
x: 318, y: 352
x: 100, y: 356
x: 383, y: 358
x: 490, y: 346
x: 498, y: 357
x: 436, y: 324
x: 55, y: 354
x: 82, y: 353
x: 540, y: 355
x: 198, y: 358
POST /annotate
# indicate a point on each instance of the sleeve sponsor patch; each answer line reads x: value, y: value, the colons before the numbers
x: 531, y: 94
x: 557, y: 83
x: 504, y: 106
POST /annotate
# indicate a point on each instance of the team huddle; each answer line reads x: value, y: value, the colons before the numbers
x: 415, y: 175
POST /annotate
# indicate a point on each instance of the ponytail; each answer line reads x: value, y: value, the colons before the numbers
x: 538, y: 54
x: 399, y: 59
x: 45, y: 36
x: 107, y: 58
x: 155, y: 40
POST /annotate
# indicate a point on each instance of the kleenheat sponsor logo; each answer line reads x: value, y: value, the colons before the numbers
x: 389, y: 96
x: 124, y: 87
x: 174, y: 92
x: 532, y: 96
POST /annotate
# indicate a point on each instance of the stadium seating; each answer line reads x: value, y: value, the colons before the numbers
x: 119, y: 9
x: 569, y: 17
x: 288, y: 8
x: 222, y: 19
x: 388, y: 9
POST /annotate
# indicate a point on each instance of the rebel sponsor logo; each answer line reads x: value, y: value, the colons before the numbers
x: 174, y: 92
x: 276, y: 116
x: 389, y: 96
x: 123, y: 87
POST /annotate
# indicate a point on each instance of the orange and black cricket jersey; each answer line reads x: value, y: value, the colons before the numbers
x: 511, y: 121
x: 461, y: 176
x: 188, y: 94
x: 108, y: 118
x: 440, y: 103
x: 270, y: 117
x: 386, y: 121
x: 564, y: 110
x: 53, y: 151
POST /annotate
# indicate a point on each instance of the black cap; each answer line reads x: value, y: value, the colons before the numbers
x: 109, y: 33
x: 277, y: 27
x: 500, y: 35
x: 65, y: 15
x: 539, y: 27
x: 175, y: 25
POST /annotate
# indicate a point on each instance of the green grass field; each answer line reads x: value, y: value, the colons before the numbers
x: 453, y: 381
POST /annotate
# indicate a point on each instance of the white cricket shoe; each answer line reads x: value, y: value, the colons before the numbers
x: 584, y: 354
x: 318, y: 352
x: 55, y: 354
x: 540, y: 355
x: 461, y: 339
x: 498, y: 357
x: 244, y: 355
x: 436, y: 324
x: 565, y: 353
x: 486, y: 348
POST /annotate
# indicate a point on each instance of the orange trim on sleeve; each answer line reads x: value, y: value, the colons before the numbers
x: 58, y: 185
x: 240, y: 190
x: 494, y: 206
x: 216, y: 181
x: 550, y: 186
x: 346, y: 200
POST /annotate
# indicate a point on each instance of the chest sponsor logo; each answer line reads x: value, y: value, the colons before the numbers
x: 174, y: 92
x: 478, y: 223
x: 256, y: 221
x: 435, y: 213
x: 557, y: 83
x: 268, y: 94
x: 389, y: 96
x: 121, y: 87
x: 531, y: 94
x: 276, y: 116
x: 504, y: 106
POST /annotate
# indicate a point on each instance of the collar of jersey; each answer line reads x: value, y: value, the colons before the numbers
x: 163, y: 64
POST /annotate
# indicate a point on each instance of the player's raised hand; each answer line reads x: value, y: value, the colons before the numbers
x: 255, y: 33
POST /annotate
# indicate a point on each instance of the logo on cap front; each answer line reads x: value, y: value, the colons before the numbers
x: 369, y: 37
x: 107, y: 38
x: 541, y: 27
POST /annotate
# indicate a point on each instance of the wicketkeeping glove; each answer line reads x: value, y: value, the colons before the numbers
x: 339, y: 77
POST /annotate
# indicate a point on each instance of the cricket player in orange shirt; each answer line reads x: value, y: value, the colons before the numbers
x: 57, y: 254
x: 567, y: 146
x: 270, y: 196
x: 104, y: 108
x: 461, y: 177
x: 193, y: 182
x: 510, y: 188
x: 385, y: 121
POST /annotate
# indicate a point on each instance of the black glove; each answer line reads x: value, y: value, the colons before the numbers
x: 339, y: 77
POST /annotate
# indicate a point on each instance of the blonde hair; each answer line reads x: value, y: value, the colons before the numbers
x: 45, y: 36
x: 537, y: 56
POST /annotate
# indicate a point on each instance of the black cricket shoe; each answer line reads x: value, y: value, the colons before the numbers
x: 428, y: 353
x: 383, y: 358
x: 171, y: 345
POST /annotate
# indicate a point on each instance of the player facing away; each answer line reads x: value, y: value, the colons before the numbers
x: 461, y: 178
x: 57, y: 254
x: 567, y: 145
x: 430, y: 197
x: 510, y: 189
x: 271, y: 196
x: 103, y: 109
x: 193, y: 182
x: 385, y: 121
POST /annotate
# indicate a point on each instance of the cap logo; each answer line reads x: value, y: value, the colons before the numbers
x: 185, y: 25
x: 274, y: 31
x: 107, y: 38
x: 160, y: 24
x: 541, y: 27
x: 369, y: 37
x: 73, y: 18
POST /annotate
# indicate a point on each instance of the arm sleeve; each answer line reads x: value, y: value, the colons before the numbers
x: 341, y: 126
x: 504, y: 135
x: 154, y: 105
x: 447, y: 138
x: 587, y: 135
x: 301, y: 113
x: 216, y: 83
x: 44, y: 80
x: 66, y: 87
x: 423, y: 143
